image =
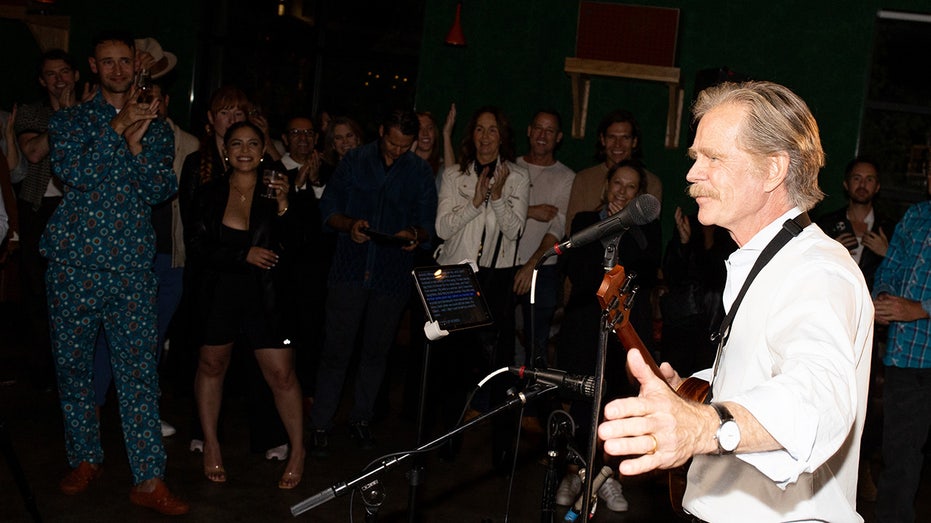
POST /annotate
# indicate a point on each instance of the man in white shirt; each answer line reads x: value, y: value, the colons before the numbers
x: 780, y: 440
x: 550, y: 183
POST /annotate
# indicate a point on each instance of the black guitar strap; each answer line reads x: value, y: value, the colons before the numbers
x: 790, y: 229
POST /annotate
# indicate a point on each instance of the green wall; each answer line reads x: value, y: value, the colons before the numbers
x: 515, y: 52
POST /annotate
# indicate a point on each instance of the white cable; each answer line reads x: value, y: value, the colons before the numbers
x: 492, y: 375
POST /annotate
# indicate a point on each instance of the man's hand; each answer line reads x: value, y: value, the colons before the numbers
x: 132, y: 113
x: 90, y: 90
x: 262, y: 257
x: 408, y: 234
x: 891, y: 308
x: 876, y: 242
x: 355, y: 231
x: 848, y: 240
x: 657, y: 425
x: 133, y: 121
x: 523, y: 277
x: 543, y: 212
x: 309, y: 171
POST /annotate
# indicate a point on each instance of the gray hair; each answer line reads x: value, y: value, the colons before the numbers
x: 776, y: 120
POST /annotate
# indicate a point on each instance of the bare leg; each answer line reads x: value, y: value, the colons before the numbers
x: 208, y: 387
x: 278, y: 368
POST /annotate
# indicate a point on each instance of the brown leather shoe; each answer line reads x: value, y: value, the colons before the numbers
x: 80, y: 478
x: 159, y: 500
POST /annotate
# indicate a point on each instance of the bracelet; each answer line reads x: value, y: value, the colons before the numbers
x: 414, y: 231
x: 281, y: 212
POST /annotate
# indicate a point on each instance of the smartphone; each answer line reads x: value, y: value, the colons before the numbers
x: 840, y: 227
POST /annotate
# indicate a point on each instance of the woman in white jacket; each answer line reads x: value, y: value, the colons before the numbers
x: 483, y: 200
x: 481, y: 214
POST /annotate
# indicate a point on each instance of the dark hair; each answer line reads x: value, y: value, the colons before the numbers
x: 436, y: 154
x: 848, y: 169
x: 113, y: 36
x: 633, y: 164
x: 239, y: 125
x: 552, y: 112
x: 405, y: 120
x: 617, y: 116
x: 55, y: 54
x: 467, y: 151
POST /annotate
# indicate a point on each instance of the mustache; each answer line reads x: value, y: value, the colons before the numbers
x: 696, y: 191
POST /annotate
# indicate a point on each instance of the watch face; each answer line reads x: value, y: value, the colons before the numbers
x: 729, y: 436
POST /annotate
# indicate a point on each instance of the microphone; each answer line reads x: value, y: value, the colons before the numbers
x: 605, y: 473
x: 582, y: 385
x: 640, y: 211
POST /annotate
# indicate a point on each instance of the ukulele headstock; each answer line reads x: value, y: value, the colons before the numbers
x: 616, y: 294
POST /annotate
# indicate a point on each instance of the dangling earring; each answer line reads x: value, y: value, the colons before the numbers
x: 262, y: 159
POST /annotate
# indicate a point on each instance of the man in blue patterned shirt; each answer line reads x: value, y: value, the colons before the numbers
x: 902, y: 297
x: 115, y: 158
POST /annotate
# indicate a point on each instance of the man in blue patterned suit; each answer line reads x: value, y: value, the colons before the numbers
x: 115, y: 158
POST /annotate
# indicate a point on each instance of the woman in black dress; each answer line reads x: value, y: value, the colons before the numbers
x: 236, y: 237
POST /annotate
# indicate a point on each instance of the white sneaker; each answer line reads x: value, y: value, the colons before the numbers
x: 167, y: 430
x: 611, y: 493
x: 568, y: 490
x: 197, y: 445
x: 280, y: 453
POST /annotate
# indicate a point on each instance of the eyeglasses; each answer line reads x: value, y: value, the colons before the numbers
x: 301, y: 132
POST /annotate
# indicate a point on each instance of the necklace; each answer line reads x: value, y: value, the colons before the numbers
x: 242, y: 196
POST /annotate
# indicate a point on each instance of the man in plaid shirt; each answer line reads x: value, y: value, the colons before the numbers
x: 902, y: 297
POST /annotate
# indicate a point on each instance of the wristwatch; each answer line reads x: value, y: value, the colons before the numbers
x: 728, y: 434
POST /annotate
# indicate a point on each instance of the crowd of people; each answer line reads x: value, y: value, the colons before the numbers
x: 301, y: 249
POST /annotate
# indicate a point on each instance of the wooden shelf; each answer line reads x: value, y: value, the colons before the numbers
x: 581, y: 70
x: 50, y: 31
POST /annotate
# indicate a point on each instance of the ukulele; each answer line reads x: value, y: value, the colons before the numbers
x: 616, y: 296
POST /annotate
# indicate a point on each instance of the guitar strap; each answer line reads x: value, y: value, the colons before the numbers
x: 790, y: 229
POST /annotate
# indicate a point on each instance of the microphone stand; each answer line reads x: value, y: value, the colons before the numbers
x: 535, y: 361
x: 416, y: 473
x: 607, y: 327
x: 341, y: 488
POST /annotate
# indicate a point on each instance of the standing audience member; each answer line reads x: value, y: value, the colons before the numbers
x: 39, y: 196
x: 114, y: 155
x: 902, y: 295
x: 481, y: 216
x: 382, y: 202
x: 228, y: 105
x: 342, y: 136
x: 694, y: 272
x: 780, y: 439
x: 618, y: 140
x: 236, y: 236
x: 857, y: 225
x: 168, y: 264
x: 301, y: 160
x: 581, y: 325
x: 550, y: 183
